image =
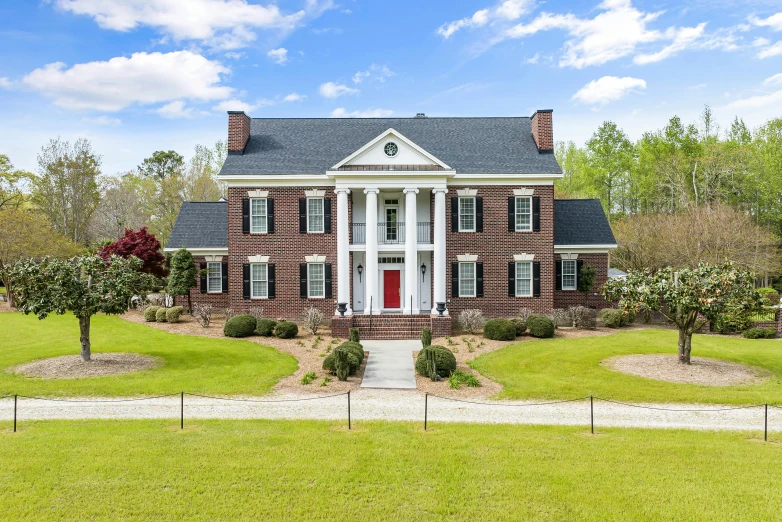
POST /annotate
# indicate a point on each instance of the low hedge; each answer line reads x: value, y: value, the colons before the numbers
x: 499, y: 330
x: 240, y: 326
x: 540, y: 326
x: 445, y: 361
x: 286, y: 330
x: 760, y: 333
x: 160, y: 315
x: 150, y: 313
x: 174, y: 313
x: 265, y: 327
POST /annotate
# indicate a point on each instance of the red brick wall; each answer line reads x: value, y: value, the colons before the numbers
x: 238, y: 131
x: 543, y: 130
x: 218, y: 301
x: 495, y: 247
x: 286, y: 249
x: 568, y: 298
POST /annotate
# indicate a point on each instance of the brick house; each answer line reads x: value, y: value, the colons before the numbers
x: 392, y: 217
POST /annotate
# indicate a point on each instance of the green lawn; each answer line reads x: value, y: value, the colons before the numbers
x: 569, y: 368
x: 298, y: 470
x: 194, y: 364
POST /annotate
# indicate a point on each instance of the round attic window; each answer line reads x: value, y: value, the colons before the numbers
x: 391, y: 149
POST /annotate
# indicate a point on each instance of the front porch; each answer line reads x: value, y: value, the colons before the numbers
x: 390, y: 326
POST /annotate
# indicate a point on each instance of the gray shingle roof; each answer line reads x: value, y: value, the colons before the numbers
x: 313, y: 145
x: 581, y: 222
x: 201, y: 225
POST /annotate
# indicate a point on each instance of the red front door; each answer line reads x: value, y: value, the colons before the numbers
x: 391, y: 289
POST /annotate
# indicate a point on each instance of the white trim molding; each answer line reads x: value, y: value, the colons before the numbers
x: 568, y: 256
x: 340, y: 190
x: 467, y: 192
x: 257, y: 193
x: 411, y: 190
x: 315, y: 193
x: 467, y: 258
x: 583, y: 249
x: 524, y: 191
x: 384, y: 135
x: 257, y: 259
x: 213, y: 259
x: 202, y: 251
x: 315, y: 259
x: 524, y: 257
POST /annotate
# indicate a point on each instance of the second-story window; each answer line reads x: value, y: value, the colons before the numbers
x: 523, y: 214
x: 467, y: 214
x: 258, y: 216
x: 315, y: 215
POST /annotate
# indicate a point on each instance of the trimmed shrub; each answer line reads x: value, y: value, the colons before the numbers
x: 760, y: 333
x: 286, y: 330
x: 354, y: 338
x: 445, y: 361
x: 356, y: 349
x: 540, y: 326
x: 524, y: 313
x: 732, y: 321
x: 150, y: 314
x: 426, y: 337
x: 561, y: 317
x: 240, y: 326
x: 174, y: 313
x: 519, y: 324
x: 471, y: 321
x: 583, y: 317
x: 265, y: 327
x: 499, y: 330
x: 160, y: 315
x: 770, y: 295
x: 611, y: 317
x: 355, y: 354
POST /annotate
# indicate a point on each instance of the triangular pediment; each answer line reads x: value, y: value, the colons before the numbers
x: 391, y: 150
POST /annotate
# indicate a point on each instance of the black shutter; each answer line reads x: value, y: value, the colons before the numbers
x: 579, y: 265
x: 203, y: 277
x: 454, y: 214
x: 245, y: 216
x: 454, y: 279
x: 302, y: 215
x: 536, y: 214
x: 535, y: 279
x: 246, y: 281
x: 512, y: 279
x: 270, y: 216
x: 558, y: 275
x: 328, y: 284
x: 272, y: 284
x: 512, y: 214
x: 303, y: 280
x: 225, y: 277
x: 479, y: 214
x: 327, y: 215
x: 478, y: 279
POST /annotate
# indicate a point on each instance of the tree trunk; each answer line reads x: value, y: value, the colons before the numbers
x: 685, y: 346
x: 189, y: 304
x: 84, y: 339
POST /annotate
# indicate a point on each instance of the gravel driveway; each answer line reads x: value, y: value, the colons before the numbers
x: 400, y: 405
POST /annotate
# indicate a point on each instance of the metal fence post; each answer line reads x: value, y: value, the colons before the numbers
x: 592, y: 414
x: 348, y: 409
x: 15, y: 398
x: 765, y: 424
x: 182, y: 410
x: 426, y: 409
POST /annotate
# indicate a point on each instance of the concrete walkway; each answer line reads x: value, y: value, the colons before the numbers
x: 390, y: 364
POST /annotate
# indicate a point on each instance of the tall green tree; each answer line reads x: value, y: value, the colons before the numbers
x: 182, y: 276
x: 162, y: 164
x: 609, y: 160
x: 13, y: 183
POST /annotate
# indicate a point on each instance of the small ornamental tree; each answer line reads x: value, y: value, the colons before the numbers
x: 586, y: 281
x: 686, y: 297
x: 142, y: 245
x: 84, y: 286
x: 182, y: 276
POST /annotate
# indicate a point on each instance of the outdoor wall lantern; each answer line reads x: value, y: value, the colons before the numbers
x: 423, y: 272
x: 360, y: 270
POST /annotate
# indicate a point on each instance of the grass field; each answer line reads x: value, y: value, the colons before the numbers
x: 296, y: 470
x: 569, y: 368
x: 194, y: 364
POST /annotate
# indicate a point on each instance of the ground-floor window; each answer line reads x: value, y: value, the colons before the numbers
x: 524, y: 279
x: 316, y: 280
x: 259, y: 287
x: 214, y: 277
x: 466, y: 279
x: 568, y: 274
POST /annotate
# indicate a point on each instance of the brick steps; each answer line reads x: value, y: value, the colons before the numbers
x: 392, y: 327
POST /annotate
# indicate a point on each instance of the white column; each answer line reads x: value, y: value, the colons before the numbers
x: 343, y: 249
x: 438, y: 259
x: 411, y: 259
x: 372, y: 295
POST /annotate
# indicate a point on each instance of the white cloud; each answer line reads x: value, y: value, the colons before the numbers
x: 5, y: 83
x: 508, y: 10
x: 683, y: 38
x: 335, y: 90
x: 144, y: 78
x: 773, y: 80
x: 294, y: 97
x: 103, y: 120
x: 533, y: 59
x: 369, y: 113
x: 774, y: 21
x: 175, y: 109
x: 239, y: 105
x: 760, y: 42
x: 607, y: 89
x: 226, y: 24
x: 770, y: 51
x: 235, y: 55
x: 763, y: 101
x: 278, y: 56
x: 379, y: 73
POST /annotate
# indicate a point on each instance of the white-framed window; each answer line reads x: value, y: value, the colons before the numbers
x: 524, y: 279
x: 466, y: 279
x: 258, y: 216
x: 523, y: 214
x: 316, y: 280
x: 467, y: 214
x: 259, y: 281
x: 214, y: 277
x: 568, y: 274
x: 315, y: 215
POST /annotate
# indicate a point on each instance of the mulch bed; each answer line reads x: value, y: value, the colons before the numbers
x: 99, y: 365
x: 703, y: 371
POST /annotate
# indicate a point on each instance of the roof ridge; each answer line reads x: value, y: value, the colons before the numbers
x: 397, y: 118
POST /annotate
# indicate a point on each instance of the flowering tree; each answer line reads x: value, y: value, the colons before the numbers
x: 82, y: 285
x: 686, y: 297
x: 142, y: 245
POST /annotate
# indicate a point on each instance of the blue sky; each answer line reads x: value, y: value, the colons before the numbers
x: 135, y: 76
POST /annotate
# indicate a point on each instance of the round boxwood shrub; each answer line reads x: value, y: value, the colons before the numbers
x: 499, y: 330
x: 354, y: 359
x: 265, y: 327
x: 354, y: 348
x: 174, y: 313
x: 611, y: 317
x: 150, y: 314
x: 160, y: 315
x: 519, y: 324
x: 240, y: 326
x: 443, y: 357
x: 286, y: 330
x: 760, y: 333
x: 540, y: 326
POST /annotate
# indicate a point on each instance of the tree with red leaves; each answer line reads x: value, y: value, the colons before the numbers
x: 141, y: 244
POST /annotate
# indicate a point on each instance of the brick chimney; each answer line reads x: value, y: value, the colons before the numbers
x: 238, y: 131
x: 543, y: 130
